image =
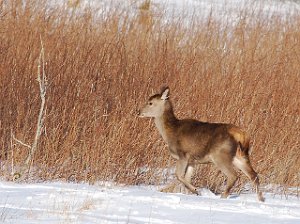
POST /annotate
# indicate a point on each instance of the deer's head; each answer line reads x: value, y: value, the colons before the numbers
x: 156, y: 104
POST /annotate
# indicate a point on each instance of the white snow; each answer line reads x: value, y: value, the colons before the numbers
x: 82, y: 203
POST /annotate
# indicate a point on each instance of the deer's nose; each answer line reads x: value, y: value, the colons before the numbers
x: 140, y: 114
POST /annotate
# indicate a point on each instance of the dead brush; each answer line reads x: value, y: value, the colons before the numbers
x: 100, y: 72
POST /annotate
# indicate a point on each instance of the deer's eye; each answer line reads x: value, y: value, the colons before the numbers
x: 150, y: 103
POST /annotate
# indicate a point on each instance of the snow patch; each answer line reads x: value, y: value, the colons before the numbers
x: 82, y: 203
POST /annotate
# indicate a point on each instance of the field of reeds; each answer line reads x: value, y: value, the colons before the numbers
x: 99, y: 71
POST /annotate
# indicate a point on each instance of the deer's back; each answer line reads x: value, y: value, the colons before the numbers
x: 201, y: 138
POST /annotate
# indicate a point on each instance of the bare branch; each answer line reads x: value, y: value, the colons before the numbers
x: 20, y: 142
x: 42, y: 80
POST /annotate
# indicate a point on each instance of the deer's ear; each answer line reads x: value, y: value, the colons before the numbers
x: 165, y: 93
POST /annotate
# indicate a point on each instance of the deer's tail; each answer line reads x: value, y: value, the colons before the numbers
x: 242, y: 138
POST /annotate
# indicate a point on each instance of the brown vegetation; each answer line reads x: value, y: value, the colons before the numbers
x: 99, y: 72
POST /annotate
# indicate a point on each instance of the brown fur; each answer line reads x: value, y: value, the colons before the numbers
x: 191, y: 142
x: 241, y: 137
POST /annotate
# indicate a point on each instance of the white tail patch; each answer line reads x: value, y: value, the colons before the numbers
x: 239, y: 162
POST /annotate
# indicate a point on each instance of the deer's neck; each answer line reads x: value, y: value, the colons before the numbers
x: 167, y: 123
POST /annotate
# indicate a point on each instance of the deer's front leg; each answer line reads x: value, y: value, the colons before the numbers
x: 184, y: 172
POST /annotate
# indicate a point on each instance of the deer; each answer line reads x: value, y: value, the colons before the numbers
x: 191, y: 142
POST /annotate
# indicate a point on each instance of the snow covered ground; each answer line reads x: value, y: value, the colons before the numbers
x: 81, y: 203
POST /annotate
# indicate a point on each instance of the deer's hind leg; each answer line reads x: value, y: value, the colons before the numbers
x: 224, y: 163
x: 242, y: 162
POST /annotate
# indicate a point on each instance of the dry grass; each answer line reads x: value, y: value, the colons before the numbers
x: 99, y: 73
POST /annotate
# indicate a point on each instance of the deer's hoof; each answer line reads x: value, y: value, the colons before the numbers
x: 261, y: 197
x: 168, y: 189
x: 224, y: 195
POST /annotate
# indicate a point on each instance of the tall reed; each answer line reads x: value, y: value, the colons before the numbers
x: 100, y: 71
